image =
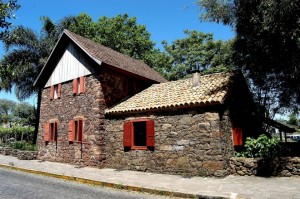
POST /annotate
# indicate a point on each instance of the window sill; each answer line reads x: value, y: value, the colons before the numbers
x: 78, y: 142
x: 139, y: 148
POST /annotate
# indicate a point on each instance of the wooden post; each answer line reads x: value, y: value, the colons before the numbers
x: 280, y: 133
x: 285, y: 137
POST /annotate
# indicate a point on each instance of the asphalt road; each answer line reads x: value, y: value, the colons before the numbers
x: 19, y: 185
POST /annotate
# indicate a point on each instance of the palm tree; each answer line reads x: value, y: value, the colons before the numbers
x: 26, y: 54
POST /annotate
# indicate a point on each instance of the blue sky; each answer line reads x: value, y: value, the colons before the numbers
x: 164, y: 19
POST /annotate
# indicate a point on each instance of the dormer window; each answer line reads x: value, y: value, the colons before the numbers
x: 78, y: 85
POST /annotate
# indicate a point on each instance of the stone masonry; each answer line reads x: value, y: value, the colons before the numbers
x: 101, y: 90
x: 190, y: 143
x: 280, y: 166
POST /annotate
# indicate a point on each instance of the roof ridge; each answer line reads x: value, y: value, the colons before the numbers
x: 110, y: 51
x: 71, y: 34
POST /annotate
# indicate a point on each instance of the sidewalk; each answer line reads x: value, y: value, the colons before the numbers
x: 171, y: 185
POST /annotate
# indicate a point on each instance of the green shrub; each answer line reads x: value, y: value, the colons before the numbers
x: 261, y: 147
x: 21, y: 145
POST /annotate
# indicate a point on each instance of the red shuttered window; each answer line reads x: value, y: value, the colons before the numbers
x: 75, y: 86
x: 50, y: 131
x: 55, y: 91
x: 127, y: 134
x: 46, y: 132
x: 78, y: 85
x: 75, y: 130
x: 139, y: 134
x: 71, y: 134
x: 237, y: 137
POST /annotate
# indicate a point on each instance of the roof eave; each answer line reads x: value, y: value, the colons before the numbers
x: 38, y: 79
x: 167, y: 108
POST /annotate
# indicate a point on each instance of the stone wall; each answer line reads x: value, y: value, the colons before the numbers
x: 196, y: 143
x: 90, y: 106
x: 116, y: 86
x: 283, y: 166
x: 21, y: 155
x: 101, y: 90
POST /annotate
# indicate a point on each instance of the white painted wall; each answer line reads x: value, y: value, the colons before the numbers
x: 71, y: 65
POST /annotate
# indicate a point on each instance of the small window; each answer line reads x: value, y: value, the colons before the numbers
x: 50, y: 131
x: 139, y: 131
x: 78, y: 85
x: 55, y: 91
x: 139, y: 134
x: 78, y: 130
x: 75, y: 130
x: 53, y: 131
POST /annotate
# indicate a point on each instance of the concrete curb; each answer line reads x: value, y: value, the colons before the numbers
x: 112, y: 185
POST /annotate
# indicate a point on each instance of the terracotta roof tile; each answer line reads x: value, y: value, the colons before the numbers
x: 109, y: 56
x: 212, y: 90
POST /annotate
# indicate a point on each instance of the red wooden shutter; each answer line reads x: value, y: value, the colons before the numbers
x: 127, y: 134
x: 150, y: 133
x: 82, y: 84
x: 55, y: 132
x: 46, y: 132
x: 237, y: 137
x: 58, y: 91
x: 80, y: 123
x: 75, y: 86
x: 51, y: 92
x: 71, y: 134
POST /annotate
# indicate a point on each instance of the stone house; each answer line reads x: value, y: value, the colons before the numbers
x: 102, y: 108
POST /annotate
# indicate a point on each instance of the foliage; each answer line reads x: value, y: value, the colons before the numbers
x: 6, y: 111
x: 26, y: 54
x: 19, y: 132
x: 22, y: 114
x: 217, y: 11
x: 25, y: 146
x: 267, y: 46
x: 25, y: 114
x: 7, y: 9
x: 261, y: 147
x: 197, y: 49
x: 123, y: 34
x: 293, y: 120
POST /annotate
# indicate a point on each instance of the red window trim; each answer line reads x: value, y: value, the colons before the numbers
x: 78, y: 85
x: 237, y: 136
x: 74, y: 125
x: 55, y: 89
x: 48, y: 131
x: 53, y: 137
x: 139, y: 148
x: 128, y: 126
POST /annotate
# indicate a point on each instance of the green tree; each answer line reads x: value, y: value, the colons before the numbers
x: 123, y: 34
x: 293, y: 120
x: 24, y: 114
x: 197, y: 50
x: 84, y: 25
x: 26, y: 54
x: 267, y: 46
x: 6, y: 111
x: 7, y: 9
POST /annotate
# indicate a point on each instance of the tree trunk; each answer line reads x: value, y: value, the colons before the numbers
x: 37, y: 119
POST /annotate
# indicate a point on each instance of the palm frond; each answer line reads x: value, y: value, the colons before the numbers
x: 20, y: 37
